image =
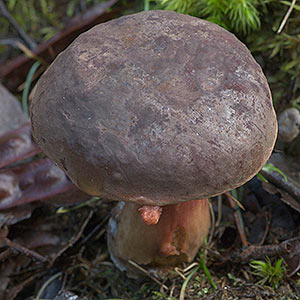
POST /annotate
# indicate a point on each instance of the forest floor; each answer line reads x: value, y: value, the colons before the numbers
x: 51, y: 247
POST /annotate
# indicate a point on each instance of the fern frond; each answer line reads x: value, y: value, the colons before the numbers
x: 214, y: 11
x: 243, y: 15
x: 181, y: 6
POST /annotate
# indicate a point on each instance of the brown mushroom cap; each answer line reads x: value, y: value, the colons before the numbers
x: 157, y: 108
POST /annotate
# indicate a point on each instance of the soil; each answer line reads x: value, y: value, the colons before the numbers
x: 55, y: 247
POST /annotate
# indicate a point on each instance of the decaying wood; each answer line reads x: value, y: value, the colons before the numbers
x: 21, y: 249
x: 289, y: 250
x: 279, y: 181
x: 75, y: 238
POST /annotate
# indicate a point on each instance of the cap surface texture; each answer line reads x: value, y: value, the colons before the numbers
x: 156, y: 108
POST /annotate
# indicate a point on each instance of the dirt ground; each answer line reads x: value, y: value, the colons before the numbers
x: 53, y: 242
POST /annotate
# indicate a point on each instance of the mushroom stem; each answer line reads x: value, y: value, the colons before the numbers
x: 175, y: 239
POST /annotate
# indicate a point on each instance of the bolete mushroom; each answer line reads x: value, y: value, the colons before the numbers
x: 157, y: 109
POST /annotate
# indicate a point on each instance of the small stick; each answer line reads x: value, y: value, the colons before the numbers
x: 267, y: 216
x: 3, y: 10
x: 25, y: 250
x: 11, y: 42
x: 75, y: 238
x: 14, y: 291
x: 191, y: 266
x: 288, y: 186
x: 138, y: 267
x: 256, y: 252
x: 238, y: 222
x: 235, y: 200
x: 94, y: 230
x: 216, y: 254
x: 29, y: 53
x: 4, y: 255
x: 213, y: 223
x: 178, y: 271
x: 219, y: 210
x: 286, y: 16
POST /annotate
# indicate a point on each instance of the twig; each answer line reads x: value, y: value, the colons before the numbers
x: 4, y: 255
x: 25, y: 250
x: 145, y: 272
x: 75, y: 238
x: 288, y: 249
x: 256, y: 252
x: 95, y: 229
x: 213, y: 222
x: 217, y: 255
x: 286, y: 16
x: 238, y: 222
x: 220, y: 203
x: 235, y: 200
x: 11, y: 42
x: 172, y: 289
x: 267, y: 216
x: 180, y: 273
x: 288, y: 186
x: 29, y: 53
x: 13, y: 291
x: 3, y: 10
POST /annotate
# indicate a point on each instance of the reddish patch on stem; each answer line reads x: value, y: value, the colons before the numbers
x: 150, y: 214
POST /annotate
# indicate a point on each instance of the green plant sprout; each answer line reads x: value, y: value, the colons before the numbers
x: 236, y: 281
x: 26, y: 90
x: 160, y: 296
x: 185, y: 283
x: 146, y: 5
x: 269, y: 274
x: 298, y: 281
x: 202, y: 256
x: 271, y: 168
x: 181, y: 6
x: 63, y: 210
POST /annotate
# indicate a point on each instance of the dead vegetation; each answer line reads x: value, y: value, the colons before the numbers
x: 53, y: 237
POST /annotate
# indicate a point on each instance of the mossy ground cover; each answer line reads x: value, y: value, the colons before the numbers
x: 85, y: 268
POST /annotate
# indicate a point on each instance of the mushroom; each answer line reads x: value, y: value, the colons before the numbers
x: 160, y: 110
